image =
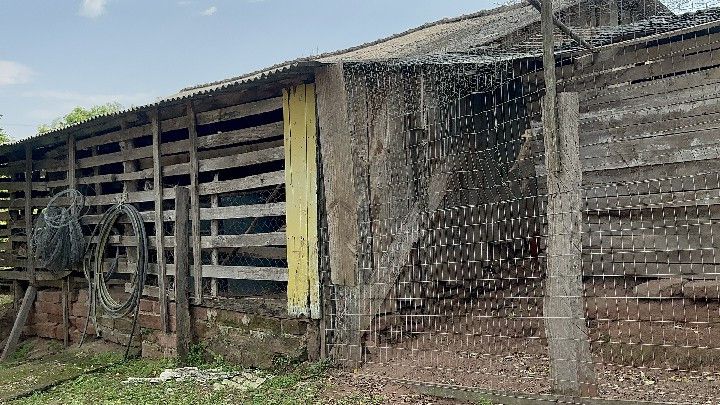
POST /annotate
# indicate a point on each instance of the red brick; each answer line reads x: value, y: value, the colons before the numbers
x: 37, y: 317
x: 166, y: 340
x: 49, y: 296
x: 82, y: 296
x: 150, y: 321
x: 76, y: 332
x: 46, y: 329
x: 54, y: 318
x: 48, y: 308
x: 78, y: 322
x: 79, y: 309
x: 146, y: 305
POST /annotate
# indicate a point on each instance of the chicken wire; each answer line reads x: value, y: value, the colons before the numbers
x: 452, y: 266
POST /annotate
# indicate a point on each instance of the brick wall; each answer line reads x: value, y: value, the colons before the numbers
x: 251, y: 339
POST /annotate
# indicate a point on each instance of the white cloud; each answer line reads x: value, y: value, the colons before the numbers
x: 210, y: 11
x: 87, y: 100
x: 14, y: 73
x: 92, y: 8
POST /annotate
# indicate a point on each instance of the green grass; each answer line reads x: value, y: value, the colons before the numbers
x: 291, y: 384
x: 5, y: 300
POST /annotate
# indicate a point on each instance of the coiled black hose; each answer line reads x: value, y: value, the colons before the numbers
x: 98, y: 279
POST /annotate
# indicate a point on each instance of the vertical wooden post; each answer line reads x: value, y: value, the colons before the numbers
x: 214, y: 231
x: 549, y: 111
x: 571, y: 364
x: 17, y: 296
x: 159, y: 234
x: 335, y: 141
x: 71, y: 176
x: 182, y: 273
x: 20, y: 320
x: 66, y: 310
x: 301, y: 191
x: 30, y: 265
x: 72, y: 184
x: 195, y: 206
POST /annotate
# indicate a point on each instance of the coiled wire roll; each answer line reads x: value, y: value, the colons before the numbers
x: 98, y: 279
x: 58, y: 241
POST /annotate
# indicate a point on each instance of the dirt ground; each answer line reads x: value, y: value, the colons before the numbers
x: 524, y: 368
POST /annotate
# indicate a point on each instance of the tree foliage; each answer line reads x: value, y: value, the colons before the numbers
x: 80, y: 114
x: 4, y: 136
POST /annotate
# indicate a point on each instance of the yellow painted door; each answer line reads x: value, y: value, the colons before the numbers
x: 301, y: 196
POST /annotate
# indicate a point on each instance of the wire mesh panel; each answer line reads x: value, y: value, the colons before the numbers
x: 450, y: 282
x: 454, y: 206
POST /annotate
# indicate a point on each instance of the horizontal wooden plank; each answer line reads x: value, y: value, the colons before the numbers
x: 242, y: 160
x: 593, y: 99
x: 239, y: 111
x: 598, y: 268
x: 613, y: 75
x: 166, y: 148
x: 219, y: 213
x: 240, y: 136
x: 223, y: 272
x: 244, y: 183
x: 254, y: 239
x: 243, y: 211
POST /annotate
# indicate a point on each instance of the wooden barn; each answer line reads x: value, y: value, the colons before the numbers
x: 343, y: 203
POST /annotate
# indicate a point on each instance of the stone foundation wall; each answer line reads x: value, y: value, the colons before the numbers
x: 253, y: 335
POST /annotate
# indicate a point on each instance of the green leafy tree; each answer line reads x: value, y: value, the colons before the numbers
x: 80, y: 114
x: 4, y: 136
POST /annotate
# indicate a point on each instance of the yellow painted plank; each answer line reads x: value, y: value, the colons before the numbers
x: 312, y: 191
x: 297, y: 202
x: 290, y: 212
x: 300, y: 182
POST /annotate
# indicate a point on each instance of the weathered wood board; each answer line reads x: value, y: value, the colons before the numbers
x: 301, y: 191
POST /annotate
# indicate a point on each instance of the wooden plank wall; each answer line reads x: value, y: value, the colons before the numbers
x: 650, y: 115
x: 301, y: 188
x: 231, y: 155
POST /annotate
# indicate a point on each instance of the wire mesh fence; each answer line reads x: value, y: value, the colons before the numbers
x: 464, y: 223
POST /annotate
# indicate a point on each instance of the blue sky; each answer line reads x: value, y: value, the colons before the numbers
x: 57, y: 54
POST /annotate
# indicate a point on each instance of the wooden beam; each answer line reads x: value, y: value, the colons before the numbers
x: 66, y: 311
x: 301, y: 190
x: 159, y: 234
x: 571, y: 364
x: 215, y: 231
x: 195, y: 206
x: 19, y: 324
x: 29, y: 212
x: 341, y: 204
x: 549, y: 112
x: 72, y: 184
x: 182, y: 273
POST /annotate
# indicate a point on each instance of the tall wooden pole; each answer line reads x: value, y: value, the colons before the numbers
x: 159, y: 228
x: 571, y: 366
x: 182, y: 272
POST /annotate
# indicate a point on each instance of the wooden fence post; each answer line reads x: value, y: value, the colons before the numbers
x: 20, y: 320
x: 571, y: 364
x: 159, y: 221
x: 182, y: 272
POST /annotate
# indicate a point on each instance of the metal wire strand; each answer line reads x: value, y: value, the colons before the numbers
x: 57, y: 237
